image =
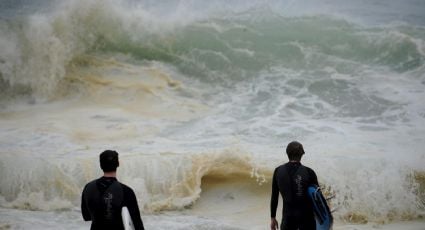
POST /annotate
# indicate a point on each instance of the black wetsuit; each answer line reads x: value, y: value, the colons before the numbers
x: 102, y: 201
x: 292, y: 180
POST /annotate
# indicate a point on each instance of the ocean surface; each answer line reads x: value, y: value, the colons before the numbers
x: 200, y: 98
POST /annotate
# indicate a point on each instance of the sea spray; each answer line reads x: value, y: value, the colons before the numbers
x: 166, y: 182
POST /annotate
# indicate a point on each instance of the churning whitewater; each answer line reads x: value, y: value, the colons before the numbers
x: 200, y: 99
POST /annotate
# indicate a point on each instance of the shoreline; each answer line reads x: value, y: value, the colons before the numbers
x: 25, y: 219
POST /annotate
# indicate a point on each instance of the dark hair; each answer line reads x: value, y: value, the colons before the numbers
x: 109, y: 161
x: 295, y: 150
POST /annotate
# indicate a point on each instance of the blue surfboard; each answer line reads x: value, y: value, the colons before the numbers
x: 322, y: 213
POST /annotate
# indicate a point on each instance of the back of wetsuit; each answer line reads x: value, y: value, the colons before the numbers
x: 293, y: 180
x: 104, y: 199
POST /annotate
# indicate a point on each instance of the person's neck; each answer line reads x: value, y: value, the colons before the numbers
x: 110, y: 174
x: 294, y: 161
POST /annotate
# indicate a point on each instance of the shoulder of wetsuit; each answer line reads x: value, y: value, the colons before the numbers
x: 310, y: 172
x: 282, y: 168
x: 91, y: 190
x: 129, y: 194
x: 308, y: 169
x: 90, y: 184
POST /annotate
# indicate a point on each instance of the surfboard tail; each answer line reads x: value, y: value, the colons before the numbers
x: 126, y: 219
x: 323, y: 215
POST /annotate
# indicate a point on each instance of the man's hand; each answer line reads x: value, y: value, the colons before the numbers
x: 274, y: 225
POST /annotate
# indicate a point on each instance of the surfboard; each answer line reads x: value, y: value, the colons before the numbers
x: 322, y: 213
x: 126, y: 219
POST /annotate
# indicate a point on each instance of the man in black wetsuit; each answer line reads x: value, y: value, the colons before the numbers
x: 292, y: 180
x: 103, y: 198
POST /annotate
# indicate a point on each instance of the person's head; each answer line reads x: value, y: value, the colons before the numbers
x: 295, y: 151
x: 109, y: 161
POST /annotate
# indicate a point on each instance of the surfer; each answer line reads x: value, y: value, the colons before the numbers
x: 103, y: 198
x: 292, y: 180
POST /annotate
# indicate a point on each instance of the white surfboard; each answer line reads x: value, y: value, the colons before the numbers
x: 126, y: 219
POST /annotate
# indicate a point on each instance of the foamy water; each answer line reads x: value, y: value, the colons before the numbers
x: 200, y: 100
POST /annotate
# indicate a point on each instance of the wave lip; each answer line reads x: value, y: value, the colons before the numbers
x: 38, y: 49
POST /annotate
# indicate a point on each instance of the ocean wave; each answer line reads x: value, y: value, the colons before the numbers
x: 163, y: 182
x: 208, y: 182
x: 38, y: 48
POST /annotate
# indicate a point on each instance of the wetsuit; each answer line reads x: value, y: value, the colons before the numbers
x: 102, y: 201
x: 292, y: 180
